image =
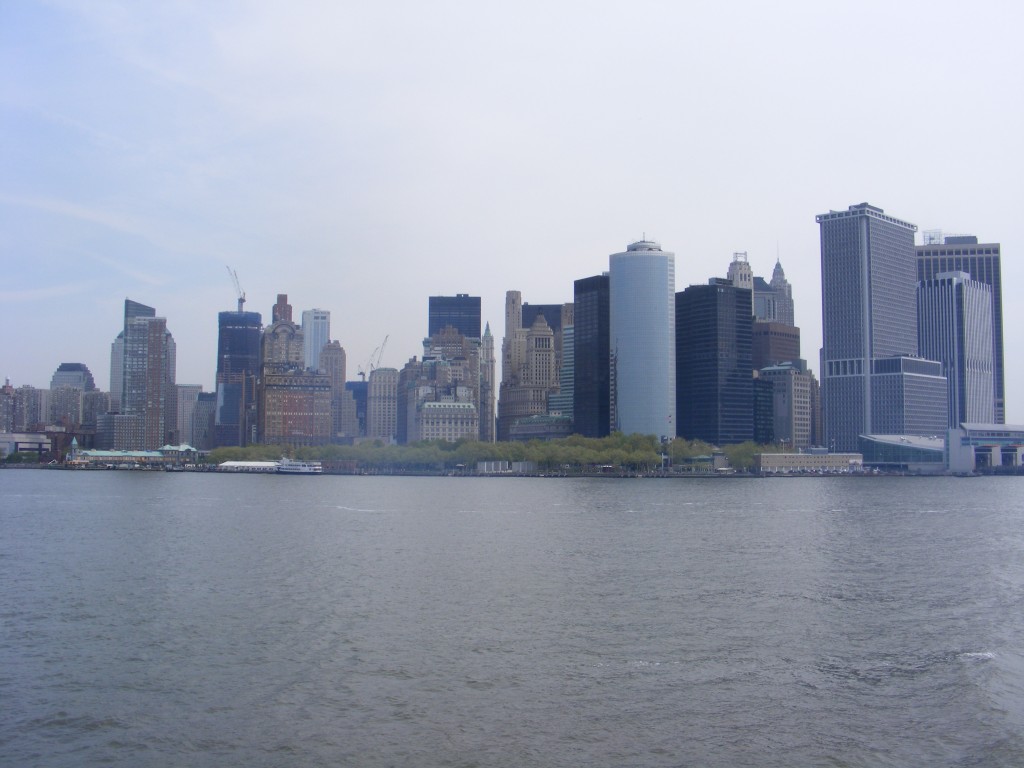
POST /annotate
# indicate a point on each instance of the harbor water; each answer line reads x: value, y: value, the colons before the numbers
x: 178, y: 619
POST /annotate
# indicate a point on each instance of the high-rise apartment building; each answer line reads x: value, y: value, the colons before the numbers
x: 316, y: 332
x: 461, y: 312
x: 714, y: 375
x: 954, y: 326
x: 643, y: 329
x: 149, y: 395
x: 591, y: 405
x: 963, y: 253
x: 132, y: 309
x: 238, y: 367
x: 868, y: 288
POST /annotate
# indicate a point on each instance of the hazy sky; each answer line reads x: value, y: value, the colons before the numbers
x: 363, y: 156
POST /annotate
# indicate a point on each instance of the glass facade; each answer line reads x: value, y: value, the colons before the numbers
x: 642, y: 321
x: 461, y: 311
x: 238, y: 361
x: 591, y: 359
x: 714, y: 373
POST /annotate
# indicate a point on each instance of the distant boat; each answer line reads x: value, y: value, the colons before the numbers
x: 288, y: 466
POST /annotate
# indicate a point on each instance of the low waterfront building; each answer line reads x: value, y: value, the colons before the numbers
x: 816, y: 463
x: 990, y: 446
x: 919, y: 455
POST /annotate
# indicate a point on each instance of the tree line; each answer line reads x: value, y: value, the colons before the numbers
x: 571, y: 455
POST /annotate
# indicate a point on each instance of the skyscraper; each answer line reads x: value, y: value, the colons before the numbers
x: 488, y: 406
x: 530, y: 359
x: 955, y: 327
x: 149, y: 395
x: 868, y: 288
x: 238, y: 365
x: 316, y: 332
x: 642, y: 336
x: 963, y: 253
x: 461, y: 311
x: 715, y: 394
x: 591, y: 406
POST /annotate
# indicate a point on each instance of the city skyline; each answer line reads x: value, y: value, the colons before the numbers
x: 147, y: 148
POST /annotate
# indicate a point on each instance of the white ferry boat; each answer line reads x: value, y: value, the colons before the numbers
x: 288, y: 466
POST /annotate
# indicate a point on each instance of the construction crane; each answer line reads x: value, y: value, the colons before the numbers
x: 238, y: 288
x: 374, y: 361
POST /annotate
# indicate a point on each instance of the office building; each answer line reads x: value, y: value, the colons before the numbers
x: 869, y: 282
x: 461, y: 312
x: 591, y: 405
x: 488, y: 404
x: 530, y: 372
x: 188, y: 396
x: 792, y: 389
x: 316, y: 332
x: 642, y: 336
x: 963, y: 253
x: 294, y: 406
x: 715, y: 389
x: 382, y: 404
x: 954, y: 326
x: 908, y: 396
x: 238, y: 366
x: 773, y: 343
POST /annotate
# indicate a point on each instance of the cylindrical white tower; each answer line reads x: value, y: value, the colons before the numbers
x: 642, y: 283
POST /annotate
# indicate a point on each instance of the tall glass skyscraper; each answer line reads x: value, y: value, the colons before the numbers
x: 715, y: 395
x: 238, y: 364
x: 643, y: 329
x: 591, y: 361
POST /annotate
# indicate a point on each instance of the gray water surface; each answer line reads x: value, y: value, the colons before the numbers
x: 156, y: 619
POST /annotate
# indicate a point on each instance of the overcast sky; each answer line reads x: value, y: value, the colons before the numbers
x: 361, y: 157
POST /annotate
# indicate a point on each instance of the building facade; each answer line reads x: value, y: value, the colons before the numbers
x: 149, y: 393
x: 982, y: 261
x: 642, y: 335
x: 316, y: 332
x: 238, y: 366
x: 591, y: 405
x: 715, y: 389
x: 461, y: 312
x: 954, y: 326
x: 382, y: 404
x: 869, y: 279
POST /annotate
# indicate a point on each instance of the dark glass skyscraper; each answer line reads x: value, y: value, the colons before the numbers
x: 982, y: 262
x: 461, y: 311
x: 714, y: 367
x: 238, y: 363
x: 592, y: 364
